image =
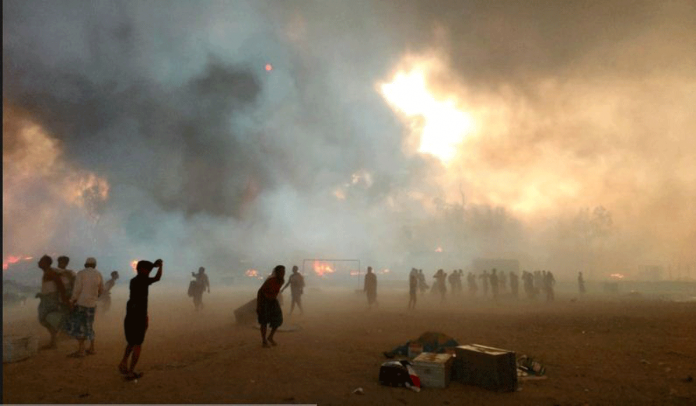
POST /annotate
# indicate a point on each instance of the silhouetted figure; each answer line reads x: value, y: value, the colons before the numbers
x: 136, y: 322
x: 440, y: 284
x: 514, y: 284
x: 549, y: 283
x: 581, y: 283
x: 528, y: 279
x: 471, y: 282
x: 502, y: 281
x: 371, y: 287
x: 422, y: 283
x: 484, y: 281
x: 105, y: 297
x: 54, y: 302
x: 538, y: 282
x: 412, y: 288
x: 494, y: 284
x: 452, y: 279
x: 201, y: 285
x: 88, y: 286
x: 297, y: 284
x: 267, y: 306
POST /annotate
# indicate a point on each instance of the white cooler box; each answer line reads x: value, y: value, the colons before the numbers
x: 17, y: 348
x: 434, y: 370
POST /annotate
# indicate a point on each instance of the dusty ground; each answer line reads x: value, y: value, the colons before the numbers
x: 597, y: 351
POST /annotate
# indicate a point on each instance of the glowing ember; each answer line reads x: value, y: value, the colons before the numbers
x: 134, y: 265
x: 322, y: 269
x: 269, y: 67
x: 252, y: 273
x: 384, y: 271
x: 11, y: 259
x: 443, y: 127
x: 438, y: 249
x: 354, y: 273
x: 617, y: 276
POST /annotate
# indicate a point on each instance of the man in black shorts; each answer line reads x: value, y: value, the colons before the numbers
x: 136, y: 321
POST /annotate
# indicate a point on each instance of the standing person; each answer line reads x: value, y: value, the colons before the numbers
x: 371, y: 287
x: 202, y: 283
x: 297, y: 284
x: 549, y: 282
x: 67, y: 276
x: 452, y: 279
x: 514, y: 284
x: 484, y: 282
x: 88, y: 286
x: 412, y: 288
x: 53, y: 300
x: 494, y: 284
x: 136, y: 322
x: 422, y: 283
x: 105, y: 297
x: 581, y: 283
x: 267, y: 306
x: 440, y: 284
x: 471, y: 282
x: 502, y: 281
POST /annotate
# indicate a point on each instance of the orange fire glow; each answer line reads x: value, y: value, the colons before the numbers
x: 252, y: 273
x: 617, y: 276
x: 11, y: 259
x: 438, y: 249
x: 354, y: 273
x: 269, y: 67
x: 322, y: 268
x: 134, y: 264
x: 384, y: 271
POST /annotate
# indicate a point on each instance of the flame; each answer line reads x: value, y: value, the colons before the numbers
x: 444, y: 125
x: 321, y: 268
x: 134, y: 265
x: 11, y: 259
x: 384, y: 271
x: 269, y: 67
x: 354, y: 273
x: 438, y: 249
x: 252, y: 273
x: 617, y: 276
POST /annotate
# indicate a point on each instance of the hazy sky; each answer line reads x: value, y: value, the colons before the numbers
x: 144, y: 129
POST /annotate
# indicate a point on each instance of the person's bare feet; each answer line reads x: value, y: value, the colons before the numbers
x: 122, y: 368
x: 265, y: 345
x: 76, y: 354
x: 273, y: 343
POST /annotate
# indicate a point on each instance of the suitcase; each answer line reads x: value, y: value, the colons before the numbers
x: 491, y: 368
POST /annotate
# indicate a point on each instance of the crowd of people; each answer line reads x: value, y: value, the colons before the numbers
x: 68, y: 299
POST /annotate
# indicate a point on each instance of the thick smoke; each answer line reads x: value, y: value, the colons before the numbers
x: 580, y: 156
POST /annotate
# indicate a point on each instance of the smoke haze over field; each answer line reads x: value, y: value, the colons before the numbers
x: 144, y: 129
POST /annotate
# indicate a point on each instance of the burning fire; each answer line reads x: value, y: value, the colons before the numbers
x: 617, y: 276
x: 354, y: 273
x: 134, y: 265
x: 444, y: 125
x: 252, y: 273
x: 321, y: 268
x: 269, y: 67
x: 384, y: 271
x: 438, y: 249
x: 11, y: 259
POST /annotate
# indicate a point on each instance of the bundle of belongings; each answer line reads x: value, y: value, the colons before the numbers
x: 430, y: 341
x: 399, y: 373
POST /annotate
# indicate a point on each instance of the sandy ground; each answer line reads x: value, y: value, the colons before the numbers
x: 597, y: 351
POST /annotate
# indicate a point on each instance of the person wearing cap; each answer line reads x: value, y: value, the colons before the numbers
x: 88, y: 286
x: 137, y: 320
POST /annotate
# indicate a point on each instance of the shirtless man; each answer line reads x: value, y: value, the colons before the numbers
x: 53, y: 300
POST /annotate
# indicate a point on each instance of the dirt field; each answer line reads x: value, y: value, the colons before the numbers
x: 597, y: 351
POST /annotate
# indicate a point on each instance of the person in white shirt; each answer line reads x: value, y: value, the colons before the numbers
x: 88, y: 286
